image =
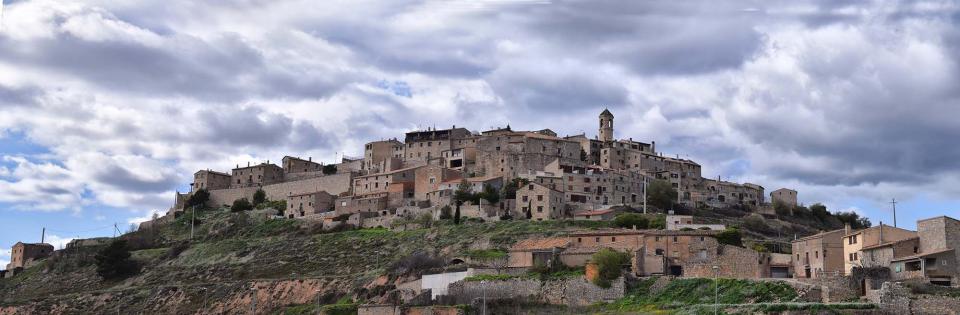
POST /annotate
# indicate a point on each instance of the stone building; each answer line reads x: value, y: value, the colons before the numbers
x: 543, y: 202
x: 22, y: 254
x: 378, y: 155
x: 938, y: 255
x: 883, y: 254
x: 301, y: 205
x: 429, y: 178
x: 819, y: 253
x: 210, y: 180
x: 784, y: 195
x: 855, y: 241
x: 379, y: 182
x: 681, y: 222
x: 371, y: 202
x: 606, y: 126
x: 293, y: 165
x: 428, y: 144
x: 533, y: 252
x: 595, y: 215
x: 508, y: 155
x: 256, y: 175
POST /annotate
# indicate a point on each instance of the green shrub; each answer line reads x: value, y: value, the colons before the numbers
x: 259, y: 197
x: 630, y: 220
x: 241, y: 204
x: 730, y: 236
x: 500, y: 277
x: 113, y: 261
x: 609, y: 265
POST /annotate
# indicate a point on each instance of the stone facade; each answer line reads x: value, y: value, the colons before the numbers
x: 429, y: 178
x: 293, y: 165
x: 938, y: 255
x: 22, y: 254
x: 542, y: 202
x: 301, y: 205
x: 332, y: 184
x: 784, y: 195
x: 378, y: 155
x: 256, y: 176
x: 210, y: 180
x: 818, y: 253
x: 855, y: 241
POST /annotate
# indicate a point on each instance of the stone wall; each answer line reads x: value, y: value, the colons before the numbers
x: 332, y: 184
x: 574, y: 292
x: 836, y: 288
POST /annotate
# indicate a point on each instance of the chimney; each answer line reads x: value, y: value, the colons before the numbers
x: 881, y: 234
x: 846, y: 228
x: 309, y: 159
x: 248, y: 163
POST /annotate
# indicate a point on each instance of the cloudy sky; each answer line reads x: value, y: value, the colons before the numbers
x: 108, y: 107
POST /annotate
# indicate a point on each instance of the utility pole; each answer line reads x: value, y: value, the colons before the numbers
x: 115, y: 229
x: 894, y: 203
x: 43, y: 235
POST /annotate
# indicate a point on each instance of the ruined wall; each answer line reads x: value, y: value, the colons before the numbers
x: 574, y: 291
x: 332, y: 184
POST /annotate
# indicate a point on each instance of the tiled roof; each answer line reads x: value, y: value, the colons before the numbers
x: 608, y: 232
x: 889, y: 243
x: 593, y: 212
x: 540, y: 243
x: 923, y: 254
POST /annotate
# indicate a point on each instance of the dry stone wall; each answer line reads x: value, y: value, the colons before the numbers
x: 573, y: 292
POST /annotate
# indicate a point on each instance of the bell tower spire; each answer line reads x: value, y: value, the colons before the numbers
x: 606, y: 126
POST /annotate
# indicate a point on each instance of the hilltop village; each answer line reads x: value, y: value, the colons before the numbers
x: 507, y: 175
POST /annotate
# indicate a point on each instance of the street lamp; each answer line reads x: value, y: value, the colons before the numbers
x: 716, y: 290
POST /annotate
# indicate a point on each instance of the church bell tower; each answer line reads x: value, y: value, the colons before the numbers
x: 606, y: 126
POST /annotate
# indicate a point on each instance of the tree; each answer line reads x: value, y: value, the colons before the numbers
x: 198, y: 198
x: 819, y: 211
x: 583, y: 155
x: 854, y: 219
x: 509, y: 191
x: 464, y: 193
x: 529, y: 210
x: 113, y: 261
x: 609, y: 265
x: 241, y: 204
x: 630, y: 220
x: 489, y: 194
x: 781, y: 208
x: 445, y: 213
x: 329, y: 169
x: 730, y: 236
x: 661, y: 195
x: 259, y: 197
x: 456, y: 215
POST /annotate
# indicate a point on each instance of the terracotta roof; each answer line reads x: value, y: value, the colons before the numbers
x: 593, y: 212
x: 681, y: 232
x: 923, y: 254
x: 540, y: 243
x: 889, y: 243
x: 608, y: 232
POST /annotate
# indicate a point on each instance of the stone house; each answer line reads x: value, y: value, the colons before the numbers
x: 378, y: 154
x: 533, y: 252
x: 293, y: 165
x: 429, y: 178
x: 23, y: 254
x: 819, y: 253
x: 308, y: 204
x: 731, y: 262
x: 256, y: 175
x: 210, y: 180
x: 372, y: 202
x: 428, y: 144
x: 784, y: 195
x: 671, y: 249
x: 596, y: 215
x: 543, y: 202
x: 781, y: 265
x: 882, y: 255
x: 680, y: 222
x: 855, y: 241
x: 937, y: 257
x: 379, y: 182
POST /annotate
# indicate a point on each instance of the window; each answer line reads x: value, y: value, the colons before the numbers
x: 524, y: 198
x: 659, y: 252
x: 539, y: 208
x: 539, y: 197
x: 675, y: 239
x: 597, y: 240
x: 613, y: 239
x: 579, y: 240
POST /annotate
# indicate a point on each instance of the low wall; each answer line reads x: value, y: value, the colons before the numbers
x: 573, y: 292
x: 835, y: 288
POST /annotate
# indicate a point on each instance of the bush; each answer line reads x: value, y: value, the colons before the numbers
x: 609, y: 266
x: 241, y: 204
x: 630, y: 220
x: 415, y: 262
x: 259, y: 197
x: 445, y: 213
x: 329, y: 169
x: 661, y: 195
x: 660, y: 223
x: 198, y: 198
x: 730, y: 236
x: 488, y: 278
x: 113, y: 261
